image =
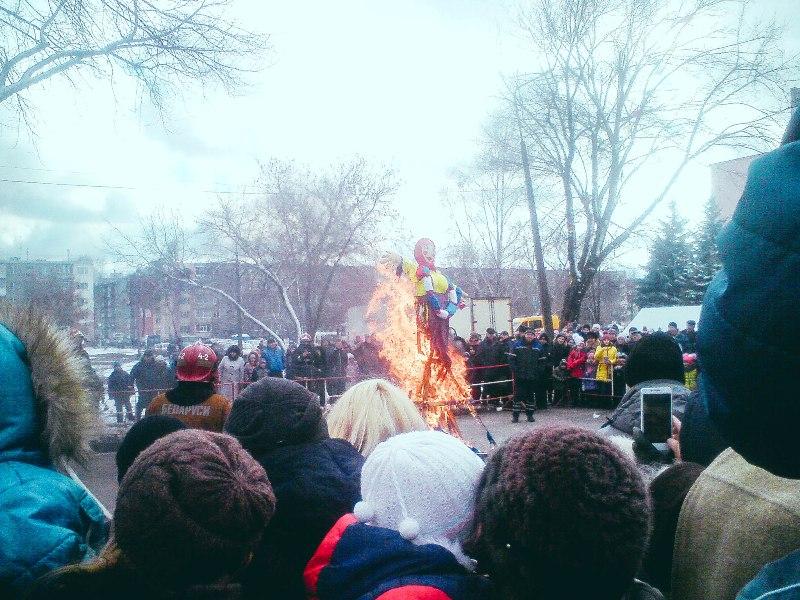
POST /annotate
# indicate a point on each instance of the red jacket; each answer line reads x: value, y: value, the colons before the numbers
x: 576, y: 362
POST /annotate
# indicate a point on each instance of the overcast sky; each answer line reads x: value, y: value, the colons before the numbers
x: 406, y: 84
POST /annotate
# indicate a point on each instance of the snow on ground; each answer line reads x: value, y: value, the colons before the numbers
x: 100, y: 351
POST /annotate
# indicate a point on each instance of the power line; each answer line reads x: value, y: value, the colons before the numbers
x: 42, y: 170
x: 66, y: 172
x: 123, y: 187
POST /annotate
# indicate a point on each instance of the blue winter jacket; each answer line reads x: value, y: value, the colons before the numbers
x: 275, y: 358
x: 46, y: 519
x: 779, y: 580
x: 747, y: 363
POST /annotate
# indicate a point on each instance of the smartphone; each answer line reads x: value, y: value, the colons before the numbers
x: 656, y: 415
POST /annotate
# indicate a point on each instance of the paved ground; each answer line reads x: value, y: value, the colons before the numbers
x: 100, y: 474
x: 501, y: 427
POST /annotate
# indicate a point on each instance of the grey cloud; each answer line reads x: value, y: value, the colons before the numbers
x: 30, y: 201
x: 55, y: 241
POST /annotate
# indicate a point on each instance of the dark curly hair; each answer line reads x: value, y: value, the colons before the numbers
x: 657, y: 356
x: 560, y: 513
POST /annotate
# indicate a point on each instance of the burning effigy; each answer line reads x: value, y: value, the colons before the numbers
x: 413, y: 303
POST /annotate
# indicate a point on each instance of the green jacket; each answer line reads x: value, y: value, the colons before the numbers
x: 736, y: 518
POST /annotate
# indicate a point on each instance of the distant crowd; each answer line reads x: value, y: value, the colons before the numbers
x: 326, y: 369
x: 583, y: 366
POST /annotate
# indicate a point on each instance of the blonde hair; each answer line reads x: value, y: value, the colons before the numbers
x: 373, y: 411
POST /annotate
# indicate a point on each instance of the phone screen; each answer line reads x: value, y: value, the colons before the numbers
x: 657, y: 417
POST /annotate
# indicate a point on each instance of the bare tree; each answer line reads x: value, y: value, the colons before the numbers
x: 58, y: 297
x: 629, y: 93
x: 488, y: 218
x: 166, y: 249
x: 243, y: 229
x: 305, y: 227
x: 154, y: 41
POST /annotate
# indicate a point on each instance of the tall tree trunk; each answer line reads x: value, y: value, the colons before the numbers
x: 541, y: 273
x: 575, y: 293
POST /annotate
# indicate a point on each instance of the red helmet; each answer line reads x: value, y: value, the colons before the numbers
x: 196, y: 363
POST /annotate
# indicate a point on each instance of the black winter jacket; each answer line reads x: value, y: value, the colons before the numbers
x: 492, y: 354
x: 528, y: 361
x: 314, y: 484
x: 307, y: 361
x: 120, y: 383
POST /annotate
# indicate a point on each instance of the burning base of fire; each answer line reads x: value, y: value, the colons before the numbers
x: 436, y: 390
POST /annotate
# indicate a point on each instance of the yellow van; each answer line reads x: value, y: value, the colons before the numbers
x: 535, y: 321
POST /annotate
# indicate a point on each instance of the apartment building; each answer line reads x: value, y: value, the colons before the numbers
x: 64, y: 287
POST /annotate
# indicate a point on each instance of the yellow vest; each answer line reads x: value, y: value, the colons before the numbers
x: 440, y: 283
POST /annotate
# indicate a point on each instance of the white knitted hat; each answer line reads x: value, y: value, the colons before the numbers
x: 421, y: 484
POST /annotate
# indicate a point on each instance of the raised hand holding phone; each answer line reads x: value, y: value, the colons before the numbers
x: 656, y: 415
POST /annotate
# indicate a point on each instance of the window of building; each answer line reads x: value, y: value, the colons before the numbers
x: 215, y: 314
x: 204, y: 328
x: 81, y: 270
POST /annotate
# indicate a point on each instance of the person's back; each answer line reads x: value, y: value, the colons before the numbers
x: 147, y: 373
x: 655, y: 362
x: 748, y: 497
x: 196, y: 405
x: 316, y: 479
x: 561, y: 513
x: 46, y: 519
x: 120, y: 390
x: 736, y: 518
x: 150, y: 376
x: 404, y: 538
x: 193, y: 400
x: 120, y: 382
x: 182, y: 528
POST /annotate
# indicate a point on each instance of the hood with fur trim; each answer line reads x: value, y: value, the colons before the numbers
x: 45, y: 413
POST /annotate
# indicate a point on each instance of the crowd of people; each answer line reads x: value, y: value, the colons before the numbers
x: 327, y: 369
x: 275, y: 499
x: 583, y: 366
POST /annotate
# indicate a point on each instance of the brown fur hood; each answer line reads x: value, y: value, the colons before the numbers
x: 62, y: 407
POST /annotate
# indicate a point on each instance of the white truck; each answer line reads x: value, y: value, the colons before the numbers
x: 477, y: 315
x: 481, y: 313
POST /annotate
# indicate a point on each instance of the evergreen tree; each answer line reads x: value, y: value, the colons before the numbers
x: 667, y: 281
x: 705, y: 255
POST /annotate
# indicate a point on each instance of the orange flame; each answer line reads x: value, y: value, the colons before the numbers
x: 391, y: 314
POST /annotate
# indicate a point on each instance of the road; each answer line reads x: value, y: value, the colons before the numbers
x: 100, y: 473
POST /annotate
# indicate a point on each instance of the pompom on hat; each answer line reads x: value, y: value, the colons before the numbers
x: 422, y: 485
